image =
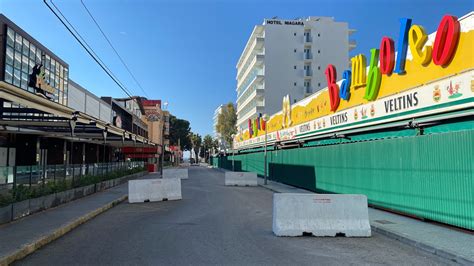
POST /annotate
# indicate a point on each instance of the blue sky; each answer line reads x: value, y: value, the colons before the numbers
x: 185, y: 52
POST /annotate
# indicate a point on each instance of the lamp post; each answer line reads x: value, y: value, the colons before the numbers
x: 233, y: 152
x: 165, y: 105
x: 265, y: 119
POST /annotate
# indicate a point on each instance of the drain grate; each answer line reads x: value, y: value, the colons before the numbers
x: 384, y: 222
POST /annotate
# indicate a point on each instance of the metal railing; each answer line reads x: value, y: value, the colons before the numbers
x: 34, y: 175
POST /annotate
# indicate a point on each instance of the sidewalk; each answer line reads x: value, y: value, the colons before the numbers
x: 24, y: 236
x: 443, y: 241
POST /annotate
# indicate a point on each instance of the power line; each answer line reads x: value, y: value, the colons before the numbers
x: 86, y: 47
x: 113, y: 48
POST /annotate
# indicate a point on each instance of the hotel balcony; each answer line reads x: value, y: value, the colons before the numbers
x: 308, y: 56
x: 243, y: 118
x: 352, y: 45
x: 308, y: 73
x: 256, y: 62
x: 308, y: 40
x: 257, y: 93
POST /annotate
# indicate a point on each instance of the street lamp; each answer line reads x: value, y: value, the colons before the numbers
x: 265, y: 118
x: 165, y: 105
x: 233, y: 152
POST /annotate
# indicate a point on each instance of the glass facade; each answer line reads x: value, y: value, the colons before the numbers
x: 22, y: 56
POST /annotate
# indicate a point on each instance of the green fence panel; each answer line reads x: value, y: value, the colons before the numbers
x: 429, y: 176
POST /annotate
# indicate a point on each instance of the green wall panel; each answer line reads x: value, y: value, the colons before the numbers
x: 429, y: 176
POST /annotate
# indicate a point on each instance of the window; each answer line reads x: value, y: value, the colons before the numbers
x: 294, y: 34
x: 319, y: 51
x: 294, y: 67
x: 294, y: 50
x: 9, y: 55
x: 319, y: 35
x: 294, y: 84
x: 10, y: 38
x: 21, y: 56
x: 319, y: 67
x: 319, y: 85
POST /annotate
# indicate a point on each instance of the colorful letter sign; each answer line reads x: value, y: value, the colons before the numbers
x: 419, y: 89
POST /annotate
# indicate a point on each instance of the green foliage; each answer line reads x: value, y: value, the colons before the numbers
x: 208, y: 145
x: 226, y: 122
x: 180, y: 130
x: 22, y: 192
x: 196, y: 141
x: 6, y: 199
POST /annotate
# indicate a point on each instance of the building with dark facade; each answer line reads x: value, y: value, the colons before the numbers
x: 50, y: 126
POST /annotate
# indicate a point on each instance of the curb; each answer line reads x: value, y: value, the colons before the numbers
x: 406, y: 240
x: 40, y: 242
x: 422, y: 246
x: 271, y: 189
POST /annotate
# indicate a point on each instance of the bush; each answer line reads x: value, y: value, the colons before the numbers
x: 6, y: 199
x: 22, y: 192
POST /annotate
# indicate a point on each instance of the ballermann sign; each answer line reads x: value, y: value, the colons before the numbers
x: 435, y: 76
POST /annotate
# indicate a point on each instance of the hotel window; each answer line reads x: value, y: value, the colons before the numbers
x: 294, y: 34
x: 294, y: 67
x: 22, y: 55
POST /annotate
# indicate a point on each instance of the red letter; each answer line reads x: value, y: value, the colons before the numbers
x: 331, y: 76
x: 446, y: 40
x: 387, y: 55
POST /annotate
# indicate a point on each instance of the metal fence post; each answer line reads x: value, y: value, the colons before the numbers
x: 31, y: 173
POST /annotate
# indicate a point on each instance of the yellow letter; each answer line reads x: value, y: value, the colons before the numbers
x: 359, y: 74
x: 416, y: 40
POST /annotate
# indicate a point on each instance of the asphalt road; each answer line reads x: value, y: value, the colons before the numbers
x: 213, y: 224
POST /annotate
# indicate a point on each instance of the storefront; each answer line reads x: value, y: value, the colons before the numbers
x: 50, y: 127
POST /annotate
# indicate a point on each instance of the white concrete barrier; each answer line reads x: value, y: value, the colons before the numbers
x: 240, y: 179
x: 154, y: 190
x: 296, y: 214
x: 181, y: 173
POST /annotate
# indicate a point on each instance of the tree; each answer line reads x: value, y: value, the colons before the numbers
x: 208, y: 145
x: 196, y: 141
x: 226, y: 122
x: 179, y: 130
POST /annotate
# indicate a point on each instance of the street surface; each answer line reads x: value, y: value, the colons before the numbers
x: 213, y: 224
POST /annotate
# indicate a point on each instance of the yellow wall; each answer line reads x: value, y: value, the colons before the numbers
x: 416, y: 75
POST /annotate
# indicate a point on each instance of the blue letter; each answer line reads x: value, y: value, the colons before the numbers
x: 345, y: 86
x: 405, y: 24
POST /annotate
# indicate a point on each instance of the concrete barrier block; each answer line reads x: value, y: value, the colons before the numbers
x: 240, y: 179
x: 181, y: 173
x: 296, y: 214
x: 144, y: 190
x: 36, y: 204
x: 21, y: 209
x: 88, y: 190
x: 5, y: 214
x: 49, y: 201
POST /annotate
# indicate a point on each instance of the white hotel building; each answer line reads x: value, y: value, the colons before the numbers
x: 288, y: 57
